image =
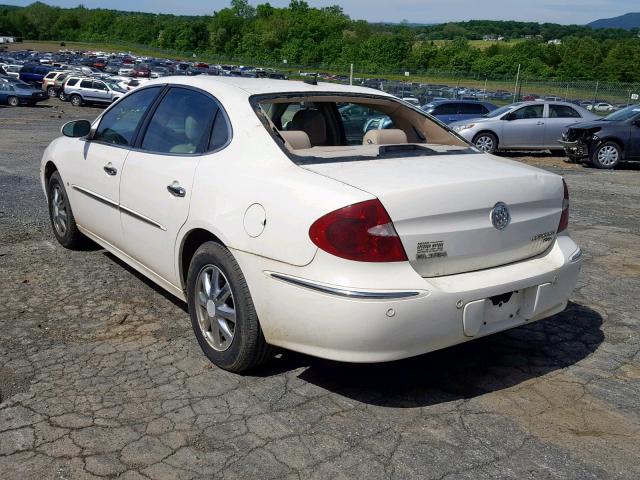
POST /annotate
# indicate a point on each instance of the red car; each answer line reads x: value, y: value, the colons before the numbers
x: 141, y: 71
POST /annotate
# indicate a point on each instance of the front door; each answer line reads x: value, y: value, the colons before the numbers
x: 524, y: 127
x: 97, y: 165
x: 158, y: 177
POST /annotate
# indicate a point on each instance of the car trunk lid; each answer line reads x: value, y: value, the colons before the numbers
x: 442, y: 206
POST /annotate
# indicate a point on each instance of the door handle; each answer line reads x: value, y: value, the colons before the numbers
x: 110, y: 169
x: 176, y: 190
x: 540, y: 123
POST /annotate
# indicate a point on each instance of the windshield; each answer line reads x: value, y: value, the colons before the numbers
x: 334, y: 127
x: 624, y: 114
x: 499, y: 111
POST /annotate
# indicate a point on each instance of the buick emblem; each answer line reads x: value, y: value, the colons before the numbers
x: 500, y: 216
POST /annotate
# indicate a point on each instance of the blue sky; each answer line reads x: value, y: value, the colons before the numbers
x: 418, y: 11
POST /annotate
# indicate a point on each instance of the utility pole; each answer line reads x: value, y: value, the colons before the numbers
x: 515, y: 90
x: 595, y: 95
x: 351, y: 75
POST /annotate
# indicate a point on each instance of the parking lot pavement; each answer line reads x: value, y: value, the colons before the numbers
x: 100, y: 374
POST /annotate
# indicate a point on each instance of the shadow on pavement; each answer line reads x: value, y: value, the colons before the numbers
x: 464, y: 371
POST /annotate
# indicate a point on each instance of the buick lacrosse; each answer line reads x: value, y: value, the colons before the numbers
x: 284, y: 217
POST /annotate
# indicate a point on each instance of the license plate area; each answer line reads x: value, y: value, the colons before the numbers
x: 493, y: 313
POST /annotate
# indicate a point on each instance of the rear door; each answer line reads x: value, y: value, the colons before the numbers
x: 468, y: 111
x: 158, y: 177
x: 524, y: 127
x: 559, y: 117
x: 446, y: 112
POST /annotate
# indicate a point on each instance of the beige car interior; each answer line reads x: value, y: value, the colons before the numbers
x: 306, y: 133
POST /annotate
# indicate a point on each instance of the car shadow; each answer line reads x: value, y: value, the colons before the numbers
x: 464, y: 371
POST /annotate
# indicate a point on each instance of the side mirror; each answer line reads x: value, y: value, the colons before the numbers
x: 76, y: 128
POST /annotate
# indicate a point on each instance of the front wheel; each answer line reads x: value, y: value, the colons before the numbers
x: 13, y: 101
x: 607, y: 155
x: 61, y: 215
x: 486, y: 142
x: 222, y: 313
x: 76, y: 100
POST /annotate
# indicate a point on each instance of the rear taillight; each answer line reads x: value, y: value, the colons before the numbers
x: 362, y: 232
x: 564, y: 218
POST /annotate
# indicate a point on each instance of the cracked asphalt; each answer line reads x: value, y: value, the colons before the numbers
x: 101, y: 376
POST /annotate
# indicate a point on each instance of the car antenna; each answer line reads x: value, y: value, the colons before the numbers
x: 312, y: 81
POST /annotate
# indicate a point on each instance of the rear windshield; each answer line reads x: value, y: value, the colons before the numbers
x: 332, y: 127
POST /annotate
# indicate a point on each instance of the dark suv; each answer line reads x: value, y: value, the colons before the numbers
x: 34, y: 74
x: 607, y: 141
x: 449, y: 111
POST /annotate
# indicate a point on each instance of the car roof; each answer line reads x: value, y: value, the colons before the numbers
x: 261, y: 86
x: 440, y: 102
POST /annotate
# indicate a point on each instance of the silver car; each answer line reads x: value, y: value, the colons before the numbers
x: 80, y: 90
x: 536, y: 125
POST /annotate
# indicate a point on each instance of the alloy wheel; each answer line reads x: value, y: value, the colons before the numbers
x: 215, y: 308
x: 59, y: 211
x: 608, y: 155
x: 13, y: 101
x: 484, y: 143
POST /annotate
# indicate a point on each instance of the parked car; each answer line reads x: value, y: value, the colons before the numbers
x: 142, y: 71
x: 13, y: 70
x: 125, y: 70
x: 602, y: 107
x: 605, y: 142
x: 14, y: 94
x: 367, y: 246
x: 449, y: 111
x: 34, y: 74
x: 536, y: 125
x: 51, y: 79
x: 92, y: 90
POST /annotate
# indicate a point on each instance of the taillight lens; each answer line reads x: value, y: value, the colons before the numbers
x: 564, y: 218
x: 362, y: 232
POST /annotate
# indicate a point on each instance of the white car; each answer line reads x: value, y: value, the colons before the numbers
x: 243, y: 198
x: 125, y: 71
x: 602, y: 107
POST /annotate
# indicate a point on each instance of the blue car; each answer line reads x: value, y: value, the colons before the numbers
x: 14, y: 94
x: 34, y: 74
x: 449, y: 111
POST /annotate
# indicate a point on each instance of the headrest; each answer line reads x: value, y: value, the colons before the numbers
x: 296, y: 139
x: 313, y: 123
x: 384, y: 137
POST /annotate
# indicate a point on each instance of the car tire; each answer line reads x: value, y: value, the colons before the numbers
x: 76, y: 100
x: 217, y: 292
x: 607, y: 155
x: 486, y: 142
x: 61, y: 96
x: 558, y: 152
x: 61, y: 216
x: 13, y: 101
x: 51, y: 91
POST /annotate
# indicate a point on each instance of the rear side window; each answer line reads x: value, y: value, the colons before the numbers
x: 181, y: 123
x: 220, y: 132
x: 562, y: 111
x: 472, y: 109
x: 446, y: 109
x: 118, y: 125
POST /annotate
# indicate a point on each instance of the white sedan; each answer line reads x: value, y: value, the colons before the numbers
x: 247, y: 199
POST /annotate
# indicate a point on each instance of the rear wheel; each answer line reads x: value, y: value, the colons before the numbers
x: 608, y: 155
x: 61, y: 215
x: 13, y: 101
x: 76, y: 100
x: 222, y: 313
x: 62, y: 96
x: 486, y: 142
x: 51, y: 91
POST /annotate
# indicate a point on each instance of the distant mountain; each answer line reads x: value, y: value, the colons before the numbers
x: 626, y: 21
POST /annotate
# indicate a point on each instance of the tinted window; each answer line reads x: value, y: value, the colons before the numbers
x: 562, y: 111
x: 119, y: 124
x: 99, y: 86
x: 181, y: 123
x: 72, y: 81
x: 472, y: 109
x: 446, y: 109
x: 86, y: 84
x: 50, y: 75
x: 531, y: 111
x: 219, y: 133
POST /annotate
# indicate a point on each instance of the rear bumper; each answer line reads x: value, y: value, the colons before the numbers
x: 325, y: 319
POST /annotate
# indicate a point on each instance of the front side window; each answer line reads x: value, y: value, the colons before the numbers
x: 446, y: 109
x: 529, y: 112
x: 119, y: 123
x: 99, y: 86
x: 181, y: 124
x: 562, y: 111
x: 86, y: 84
